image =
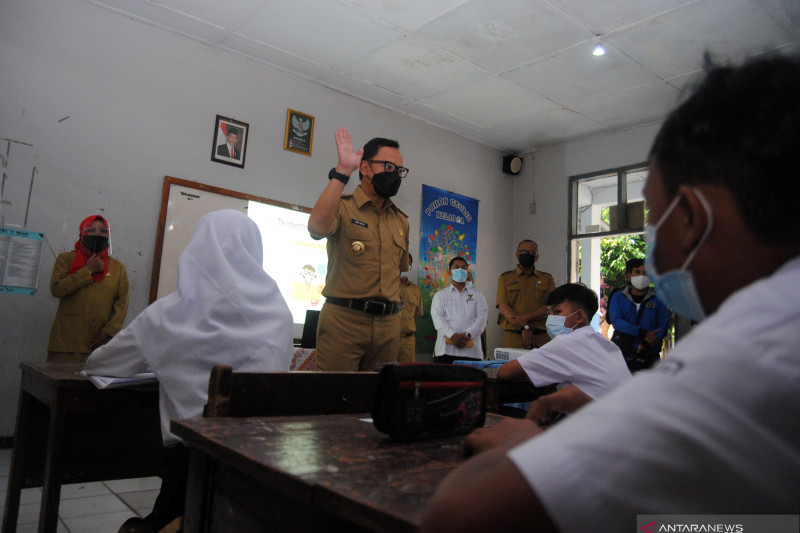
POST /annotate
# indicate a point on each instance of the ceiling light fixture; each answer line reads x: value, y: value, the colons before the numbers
x: 598, y: 50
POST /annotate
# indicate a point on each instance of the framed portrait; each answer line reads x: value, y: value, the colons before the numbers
x: 230, y: 141
x: 299, y: 132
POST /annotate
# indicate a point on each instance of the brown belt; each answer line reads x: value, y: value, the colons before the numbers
x: 371, y: 307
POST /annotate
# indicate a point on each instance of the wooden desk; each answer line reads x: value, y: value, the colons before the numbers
x: 313, y: 473
x: 501, y: 391
x: 68, y: 431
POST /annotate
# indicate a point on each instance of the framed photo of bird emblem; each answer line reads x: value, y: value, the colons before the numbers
x: 299, y: 132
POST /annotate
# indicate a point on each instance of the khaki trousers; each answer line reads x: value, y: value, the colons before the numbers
x: 350, y: 340
x: 407, y: 349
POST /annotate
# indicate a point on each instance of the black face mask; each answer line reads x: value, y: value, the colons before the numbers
x: 527, y: 261
x: 386, y: 184
x: 95, y: 243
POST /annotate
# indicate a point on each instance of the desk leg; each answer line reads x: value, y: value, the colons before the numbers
x: 21, y: 437
x: 198, y: 493
x: 492, y: 398
x: 53, y: 468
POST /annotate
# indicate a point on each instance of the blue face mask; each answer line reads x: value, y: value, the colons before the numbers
x: 556, y: 325
x: 676, y: 288
x: 459, y: 275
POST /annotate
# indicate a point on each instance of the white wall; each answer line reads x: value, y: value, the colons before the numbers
x: 141, y: 104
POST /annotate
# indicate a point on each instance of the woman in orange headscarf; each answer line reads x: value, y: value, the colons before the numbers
x: 92, y: 292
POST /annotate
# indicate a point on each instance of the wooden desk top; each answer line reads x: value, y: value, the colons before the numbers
x: 64, y: 373
x: 338, y: 463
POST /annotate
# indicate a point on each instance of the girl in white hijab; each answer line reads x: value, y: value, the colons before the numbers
x: 226, y: 310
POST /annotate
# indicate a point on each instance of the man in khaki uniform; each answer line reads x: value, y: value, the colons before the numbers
x: 521, y: 297
x: 359, y: 325
x: 411, y: 298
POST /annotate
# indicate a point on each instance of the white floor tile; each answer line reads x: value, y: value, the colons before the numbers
x: 33, y: 528
x: 134, y: 485
x: 93, y: 505
x: 104, y: 523
x: 81, y: 490
x: 28, y: 513
x: 5, y: 460
x: 141, y: 502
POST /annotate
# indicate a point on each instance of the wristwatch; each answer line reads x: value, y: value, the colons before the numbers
x: 333, y: 175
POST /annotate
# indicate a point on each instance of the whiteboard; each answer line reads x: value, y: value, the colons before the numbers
x: 295, y: 261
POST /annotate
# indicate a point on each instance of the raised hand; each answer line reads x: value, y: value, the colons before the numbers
x: 349, y: 160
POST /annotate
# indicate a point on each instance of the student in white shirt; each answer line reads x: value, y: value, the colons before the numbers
x: 459, y: 314
x: 577, y: 354
x: 713, y: 429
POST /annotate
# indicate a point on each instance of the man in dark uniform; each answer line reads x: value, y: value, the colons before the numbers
x: 521, y: 297
x: 359, y: 325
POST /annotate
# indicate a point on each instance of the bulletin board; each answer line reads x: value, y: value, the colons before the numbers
x: 297, y: 262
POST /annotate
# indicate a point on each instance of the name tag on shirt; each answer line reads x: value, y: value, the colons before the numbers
x: 359, y: 223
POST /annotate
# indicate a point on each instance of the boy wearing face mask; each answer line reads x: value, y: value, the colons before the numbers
x: 640, y: 319
x: 459, y: 314
x: 577, y: 355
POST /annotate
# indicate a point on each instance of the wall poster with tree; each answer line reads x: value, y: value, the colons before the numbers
x: 448, y: 228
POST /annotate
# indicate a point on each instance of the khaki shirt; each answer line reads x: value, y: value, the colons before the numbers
x: 367, y: 250
x: 86, y: 307
x: 411, y: 298
x: 524, y: 293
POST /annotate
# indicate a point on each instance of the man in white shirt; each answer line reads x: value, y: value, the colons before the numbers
x: 577, y: 355
x: 713, y: 429
x: 459, y: 314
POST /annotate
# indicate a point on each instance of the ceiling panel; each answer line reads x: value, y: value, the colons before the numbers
x: 325, y: 32
x: 630, y: 108
x: 512, y: 74
x: 576, y: 75
x: 407, y: 13
x: 415, y: 67
x: 674, y: 43
x: 604, y: 16
x: 500, y: 101
x: 500, y: 34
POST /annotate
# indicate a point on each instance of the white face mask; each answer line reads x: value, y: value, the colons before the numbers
x: 557, y: 325
x: 459, y: 275
x: 640, y: 282
x: 676, y: 288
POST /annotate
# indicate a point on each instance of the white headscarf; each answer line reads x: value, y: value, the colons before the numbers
x: 226, y: 310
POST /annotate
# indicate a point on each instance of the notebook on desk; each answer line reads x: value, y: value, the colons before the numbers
x: 309, y: 339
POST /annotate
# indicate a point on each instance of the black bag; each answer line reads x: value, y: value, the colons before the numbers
x: 624, y: 341
x: 425, y: 400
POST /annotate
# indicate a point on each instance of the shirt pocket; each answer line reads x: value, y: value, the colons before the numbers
x: 399, y: 247
x: 513, y: 293
x: 357, y: 232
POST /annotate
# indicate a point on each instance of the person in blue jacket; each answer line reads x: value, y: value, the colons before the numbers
x: 640, y: 320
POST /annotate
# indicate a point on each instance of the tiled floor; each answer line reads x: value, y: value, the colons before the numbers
x: 86, y: 507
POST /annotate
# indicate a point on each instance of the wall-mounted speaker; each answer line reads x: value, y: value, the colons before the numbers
x: 512, y: 164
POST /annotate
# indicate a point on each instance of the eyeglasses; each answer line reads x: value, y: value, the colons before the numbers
x: 527, y: 252
x: 390, y: 167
